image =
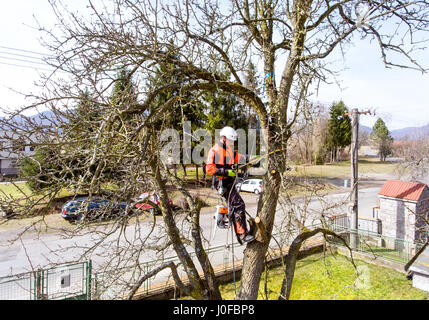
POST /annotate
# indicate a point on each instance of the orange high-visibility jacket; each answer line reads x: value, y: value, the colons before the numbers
x: 220, y: 158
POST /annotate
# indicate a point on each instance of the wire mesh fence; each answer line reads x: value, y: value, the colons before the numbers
x: 386, y: 247
x: 18, y: 287
x: 71, y: 281
x: 68, y: 281
x: 112, y: 284
x: 76, y: 280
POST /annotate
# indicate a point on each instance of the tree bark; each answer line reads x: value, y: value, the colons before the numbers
x: 152, y: 273
x: 198, y: 289
x: 277, y: 134
x: 210, y: 283
x: 254, y: 254
x: 293, y: 256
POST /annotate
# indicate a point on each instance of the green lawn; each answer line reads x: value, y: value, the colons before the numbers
x: 334, y: 278
x: 343, y: 168
x: 21, y: 190
x: 17, y: 190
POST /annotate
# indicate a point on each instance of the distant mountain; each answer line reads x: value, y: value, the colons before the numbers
x: 412, y: 133
x: 46, y: 118
x: 365, y: 129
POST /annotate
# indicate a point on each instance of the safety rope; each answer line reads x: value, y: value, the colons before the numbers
x: 231, y: 220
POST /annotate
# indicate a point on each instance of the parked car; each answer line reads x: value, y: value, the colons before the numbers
x: 92, y: 209
x: 153, y: 197
x: 250, y: 185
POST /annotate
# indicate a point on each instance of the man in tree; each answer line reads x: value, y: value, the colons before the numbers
x: 220, y: 160
x: 380, y: 135
x: 210, y: 37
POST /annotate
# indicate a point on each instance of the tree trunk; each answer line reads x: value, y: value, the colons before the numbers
x: 255, y: 252
x: 292, y: 257
x: 210, y: 282
x: 204, y: 172
x: 277, y: 135
x: 198, y: 289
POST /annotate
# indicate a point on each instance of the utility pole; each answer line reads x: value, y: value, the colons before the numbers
x: 355, y: 175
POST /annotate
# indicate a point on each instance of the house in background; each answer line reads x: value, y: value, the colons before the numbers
x: 11, y: 152
x: 404, y: 210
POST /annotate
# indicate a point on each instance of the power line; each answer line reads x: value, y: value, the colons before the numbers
x: 22, y: 50
x: 20, y: 55
x: 376, y: 112
x: 31, y: 67
x: 23, y: 60
x: 31, y: 59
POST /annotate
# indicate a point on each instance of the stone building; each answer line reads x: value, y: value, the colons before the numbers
x: 404, y: 210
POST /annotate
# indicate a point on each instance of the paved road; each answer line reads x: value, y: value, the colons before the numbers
x: 34, y: 250
x: 40, y: 250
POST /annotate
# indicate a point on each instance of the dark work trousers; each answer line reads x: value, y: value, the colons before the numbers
x: 235, y: 204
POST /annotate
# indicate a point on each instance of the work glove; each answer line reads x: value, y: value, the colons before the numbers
x: 231, y: 173
x: 222, y: 172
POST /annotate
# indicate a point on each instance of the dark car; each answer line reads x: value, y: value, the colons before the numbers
x: 92, y: 209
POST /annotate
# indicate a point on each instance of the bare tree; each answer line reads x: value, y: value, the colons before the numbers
x: 415, y: 165
x: 206, y: 38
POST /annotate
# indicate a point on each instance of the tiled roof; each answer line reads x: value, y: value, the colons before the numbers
x: 402, y: 190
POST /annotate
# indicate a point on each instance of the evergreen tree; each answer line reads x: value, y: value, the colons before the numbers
x: 187, y: 108
x: 123, y: 89
x: 339, y: 130
x: 380, y: 136
x: 224, y: 110
x: 52, y: 163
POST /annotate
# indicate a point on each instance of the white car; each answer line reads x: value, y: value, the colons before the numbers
x: 251, y: 185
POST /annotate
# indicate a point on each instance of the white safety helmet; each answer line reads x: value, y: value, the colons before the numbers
x: 229, y: 133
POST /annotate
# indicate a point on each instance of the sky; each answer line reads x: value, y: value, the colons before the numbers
x: 400, y: 97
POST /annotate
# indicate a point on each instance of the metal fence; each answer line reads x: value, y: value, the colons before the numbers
x: 112, y: 284
x: 339, y: 221
x: 68, y: 281
x: 389, y: 248
x: 76, y: 281
x: 364, y: 224
x: 18, y: 287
